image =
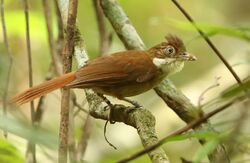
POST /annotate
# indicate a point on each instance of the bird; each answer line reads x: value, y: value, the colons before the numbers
x: 121, y: 74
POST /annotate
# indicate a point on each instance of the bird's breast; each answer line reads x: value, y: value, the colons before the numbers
x: 128, y: 89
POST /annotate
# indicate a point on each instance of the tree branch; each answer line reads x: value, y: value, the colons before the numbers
x: 122, y: 25
x: 54, y: 56
x: 141, y: 119
x: 104, y: 41
x: 6, y: 42
x: 86, y: 131
x: 31, y: 148
x: 67, y: 62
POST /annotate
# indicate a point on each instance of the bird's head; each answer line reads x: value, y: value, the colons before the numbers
x: 170, y: 55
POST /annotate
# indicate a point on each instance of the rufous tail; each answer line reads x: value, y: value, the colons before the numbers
x: 42, y: 89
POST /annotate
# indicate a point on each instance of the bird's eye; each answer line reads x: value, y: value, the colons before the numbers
x: 170, y: 50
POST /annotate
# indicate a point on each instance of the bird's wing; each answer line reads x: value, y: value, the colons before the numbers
x: 133, y: 66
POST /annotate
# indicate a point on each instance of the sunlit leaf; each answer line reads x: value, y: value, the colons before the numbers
x: 9, y: 153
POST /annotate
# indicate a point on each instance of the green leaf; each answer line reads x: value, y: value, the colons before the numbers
x: 9, y: 153
x: 205, y: 150
x: 199, y: 134
x: 235, y: 90
x: 210, y: 29
x: 26, y: 131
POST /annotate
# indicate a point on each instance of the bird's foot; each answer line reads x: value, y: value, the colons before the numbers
x: 134, y: 103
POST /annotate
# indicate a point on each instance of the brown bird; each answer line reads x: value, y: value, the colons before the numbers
x: 122, y: 74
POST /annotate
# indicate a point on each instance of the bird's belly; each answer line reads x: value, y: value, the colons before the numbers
x: 126, y: 90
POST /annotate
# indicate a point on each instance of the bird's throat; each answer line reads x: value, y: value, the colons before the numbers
x: 174, y: 67
x: 168, y: 66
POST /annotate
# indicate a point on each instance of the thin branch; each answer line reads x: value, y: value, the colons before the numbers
x: 104, y: 41
x: 60, y: 28
x: 177, y: 101
x: 189, y: 126
x: 55, y: 58
x: 122, y: 25
x: 201, y: 97
x: 213, y: 47
x: 76, y: 104
x: 26, y: 11
x: 6, y: 42
x: 67, y: 62
x: 71, y: 135
x: 40, y: 106
x: 31, y: 149
x: 39, y: 110
x: 86, y: 131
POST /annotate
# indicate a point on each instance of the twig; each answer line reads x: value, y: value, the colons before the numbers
x: 71, y: 135
x: 191, y: 125
x: 86, y: 131
x: 67, y: 62
x: 177, y: 101
x: 6, y: 42
x: 26, y: 11
x: 104, y: 41
x: 76, y: 104
x: 55, y: 59
x: 60, y: 28
x: 39, y: 110
x: 40, y: 106
x: 122, y: 25
x: 201, y: 97
x: 31, y: 149
x: 213, y: 47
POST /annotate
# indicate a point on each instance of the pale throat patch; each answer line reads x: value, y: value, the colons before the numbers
x: 168, y: 65
x: 159, y: 62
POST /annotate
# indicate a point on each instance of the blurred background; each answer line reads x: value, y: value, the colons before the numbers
x: 226, y: 21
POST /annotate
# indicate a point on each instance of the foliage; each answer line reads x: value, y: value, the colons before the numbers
x: 26, y: 131
x: 9, y: 153
x: 235, y: 90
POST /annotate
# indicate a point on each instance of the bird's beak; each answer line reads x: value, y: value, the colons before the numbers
x: 189, y: 57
